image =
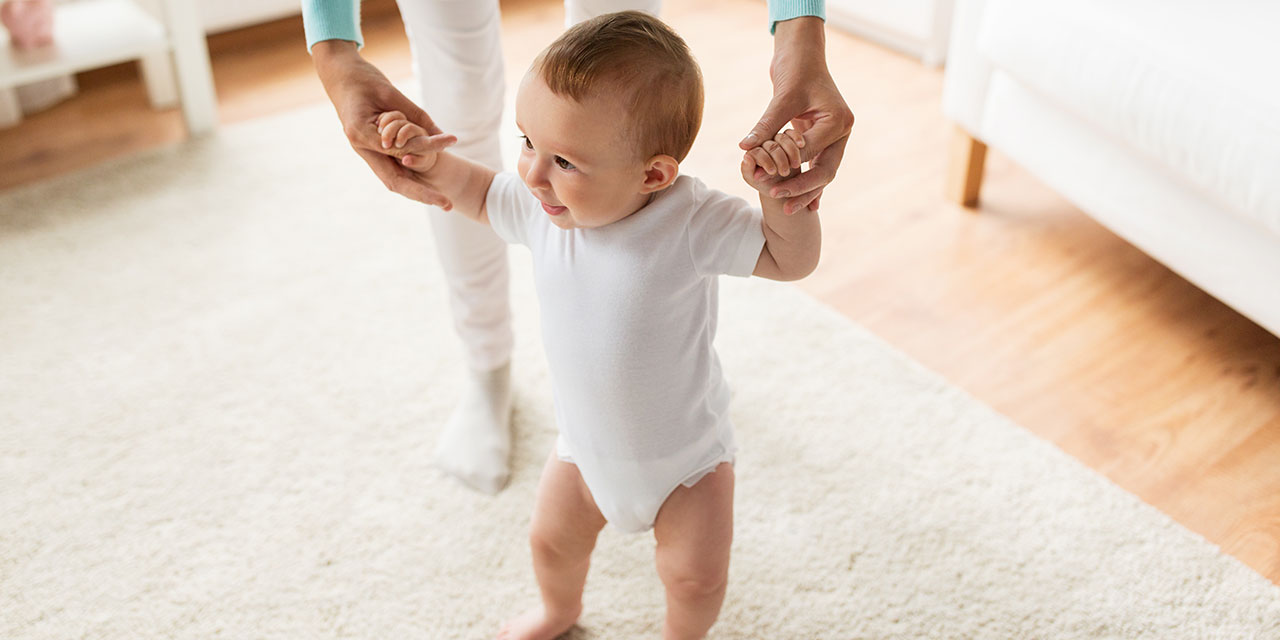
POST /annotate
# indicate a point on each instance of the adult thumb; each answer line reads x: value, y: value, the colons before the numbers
x: 774, y: 119
x: 420, y: 117
x: 412, y: 111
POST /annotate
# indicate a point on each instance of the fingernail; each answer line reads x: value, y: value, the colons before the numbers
x: 750, y: 139
x: 386, y: 145
x: 783, y: 194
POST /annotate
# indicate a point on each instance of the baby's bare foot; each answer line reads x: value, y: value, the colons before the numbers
x: 536, y: 624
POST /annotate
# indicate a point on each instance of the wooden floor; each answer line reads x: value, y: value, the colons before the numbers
x: 1027, y: 304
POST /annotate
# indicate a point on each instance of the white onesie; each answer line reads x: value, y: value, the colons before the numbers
x: 628, y: 320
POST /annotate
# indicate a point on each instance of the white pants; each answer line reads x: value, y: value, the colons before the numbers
x: 457, y: 58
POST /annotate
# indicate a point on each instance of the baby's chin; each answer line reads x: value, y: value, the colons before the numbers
x: 564, y: 221
x: 568, y: 220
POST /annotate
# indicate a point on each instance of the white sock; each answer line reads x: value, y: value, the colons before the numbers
x: 476, y: 443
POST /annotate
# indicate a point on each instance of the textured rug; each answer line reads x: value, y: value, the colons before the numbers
x: 223, y: 367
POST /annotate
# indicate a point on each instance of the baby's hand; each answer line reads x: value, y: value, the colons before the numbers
x: 409, y: 142
x: 775, y: 159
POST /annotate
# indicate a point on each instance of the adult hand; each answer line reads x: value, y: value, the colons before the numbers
x: 360, y: 93
x: 804, y: 95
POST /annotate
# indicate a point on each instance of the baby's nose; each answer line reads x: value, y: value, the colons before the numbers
x: 537, y: 179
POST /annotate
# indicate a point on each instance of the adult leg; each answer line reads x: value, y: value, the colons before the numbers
x: 457, y: 58
x: 576, y: 11
x: 565, y: 525
x: 694, y: 530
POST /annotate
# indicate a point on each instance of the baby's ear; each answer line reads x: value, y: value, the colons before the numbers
x: 659, y: 172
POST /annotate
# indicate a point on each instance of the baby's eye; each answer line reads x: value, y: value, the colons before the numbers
x: 528, y: 145
x: 563, y: 164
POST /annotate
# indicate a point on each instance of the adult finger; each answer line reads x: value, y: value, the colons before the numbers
x: 363, y: 134
x: 801, y: 201
x: 412, y: 111
x: 812, y: 204
x: 825, y: 131
x: 398, y: 179
x: 776, y: 116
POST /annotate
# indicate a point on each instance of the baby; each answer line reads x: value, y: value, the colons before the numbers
x: 626, y: 255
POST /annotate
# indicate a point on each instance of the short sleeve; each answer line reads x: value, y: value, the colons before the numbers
x: 510, y: 207
x: 725, y: 234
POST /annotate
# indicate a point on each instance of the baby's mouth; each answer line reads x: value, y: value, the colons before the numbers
x: 553, y: 210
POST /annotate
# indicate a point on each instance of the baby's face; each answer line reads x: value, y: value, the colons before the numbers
x: 575, y: 158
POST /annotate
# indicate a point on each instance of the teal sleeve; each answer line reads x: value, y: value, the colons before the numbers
x: 331, y: 20
x: 780, y: 10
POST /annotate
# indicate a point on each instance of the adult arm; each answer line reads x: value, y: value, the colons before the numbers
x: 805, y: 95
x: 360, y: 92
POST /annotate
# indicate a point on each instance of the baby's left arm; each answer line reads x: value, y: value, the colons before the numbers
x: 792, y: 241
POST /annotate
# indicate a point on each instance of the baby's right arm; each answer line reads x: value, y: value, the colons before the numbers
x: 462, y: 182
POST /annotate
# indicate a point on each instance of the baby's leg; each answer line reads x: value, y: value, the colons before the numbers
x: 694, y: 530
x: 565, y: 524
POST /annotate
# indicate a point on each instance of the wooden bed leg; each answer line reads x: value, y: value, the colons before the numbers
x: 964, y: 175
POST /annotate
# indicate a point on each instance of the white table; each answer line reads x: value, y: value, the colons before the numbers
x: 168, y: 40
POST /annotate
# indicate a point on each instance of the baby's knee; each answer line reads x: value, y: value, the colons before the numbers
x: 543, y: 544
x: 558, y: 544
x: 691, y: 583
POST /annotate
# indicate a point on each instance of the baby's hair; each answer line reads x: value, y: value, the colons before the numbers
x: 646, y: 62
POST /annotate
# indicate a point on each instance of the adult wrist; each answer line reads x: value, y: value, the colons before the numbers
x: 799, y: 50
x: 328, y: 51
x: 332, y: 57
x: 805, y: 35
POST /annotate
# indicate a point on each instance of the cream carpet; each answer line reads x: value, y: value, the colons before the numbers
x: 223, y: 367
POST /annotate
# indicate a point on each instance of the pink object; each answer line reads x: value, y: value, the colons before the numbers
x: 30, y: 22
